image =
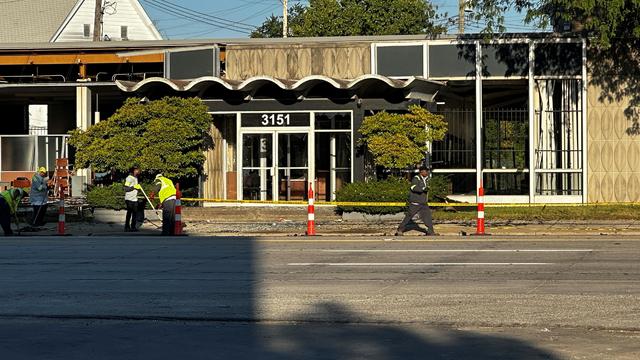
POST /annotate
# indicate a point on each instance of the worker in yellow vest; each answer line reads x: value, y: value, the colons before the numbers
x: 167, y: 193
x: 9, y: 201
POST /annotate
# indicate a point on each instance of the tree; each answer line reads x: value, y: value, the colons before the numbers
x: 612, y: 28
x: 603, y: 21
x: 272, y: 26
x: 167, y: 136
x: 398, y: 141
x: 355, y: 17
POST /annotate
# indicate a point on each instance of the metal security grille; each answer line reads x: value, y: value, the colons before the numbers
x: 558, y: 137
x: 506, y: 140
x: 458, y: 149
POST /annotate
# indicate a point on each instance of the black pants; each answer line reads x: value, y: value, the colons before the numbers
x: 5, y: 217
x: 425, y: 214
x: 169, y: 217
x: 39, y: 211
x: 132, y: 215
x: 140, y: 220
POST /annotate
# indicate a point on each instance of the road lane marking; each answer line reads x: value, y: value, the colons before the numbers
x: 420, y: 264
x: 453, y: 250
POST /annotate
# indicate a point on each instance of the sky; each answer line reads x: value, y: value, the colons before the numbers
x: 186, y: 19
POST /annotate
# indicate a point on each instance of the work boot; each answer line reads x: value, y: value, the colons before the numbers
x: 399, y: 233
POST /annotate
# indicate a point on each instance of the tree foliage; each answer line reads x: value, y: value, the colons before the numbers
x: 355, y: 17
x: 398, y: 141
x: 272, y: 26
x: 612, y: 28
x: 165, y: 136
x: 603, y: 21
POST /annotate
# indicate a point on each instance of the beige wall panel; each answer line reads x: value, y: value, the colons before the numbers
x: 606, y: 187
x: 606, y: 156
x: 633, y: 188
x: 620, y: 156
x: 620, y: 188
x: 346, y: 61
x: 614, y: 153
x: 595, y: 165
x: 317, y: 62
x: 621, y: 124
x: 214, y: 166
x: 633, y: 156
x: 606, y: 125
x: 593, y: 116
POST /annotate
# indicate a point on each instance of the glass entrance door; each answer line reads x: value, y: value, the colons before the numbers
x: 257, y: 166
x: 284, y: 179
x: 293, y: 166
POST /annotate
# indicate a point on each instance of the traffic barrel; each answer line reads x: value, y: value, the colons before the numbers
x: 178, y: 216
x: 61, y: 216
x: 311, y: 216
x: 480, y: 222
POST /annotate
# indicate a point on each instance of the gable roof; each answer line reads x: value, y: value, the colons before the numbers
x: 32, y: 20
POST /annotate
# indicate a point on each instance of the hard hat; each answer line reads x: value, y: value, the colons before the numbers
x: 42, y: 169
x: 158, y: 176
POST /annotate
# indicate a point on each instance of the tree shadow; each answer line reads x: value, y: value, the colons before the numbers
x: 340, y: 333
x: 615, y: 72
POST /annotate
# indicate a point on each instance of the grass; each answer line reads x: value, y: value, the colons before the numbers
x: 537, y: 213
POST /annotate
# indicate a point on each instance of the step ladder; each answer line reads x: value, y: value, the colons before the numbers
x: 61, y: 177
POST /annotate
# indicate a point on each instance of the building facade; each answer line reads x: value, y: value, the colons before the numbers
x: 523, y: 120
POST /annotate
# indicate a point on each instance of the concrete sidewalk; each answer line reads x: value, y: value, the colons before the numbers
x: 297, y: 228
x: 291, y: 221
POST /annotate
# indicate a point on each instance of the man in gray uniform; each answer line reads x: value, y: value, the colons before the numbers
x: 418, y: 196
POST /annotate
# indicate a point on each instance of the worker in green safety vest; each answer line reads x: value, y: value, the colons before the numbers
x: 9, y: 201
x: 167, y: 193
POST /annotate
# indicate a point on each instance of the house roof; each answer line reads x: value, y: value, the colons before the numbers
x: 32, y: 21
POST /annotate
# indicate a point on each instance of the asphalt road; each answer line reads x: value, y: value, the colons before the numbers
x: 331, y: 298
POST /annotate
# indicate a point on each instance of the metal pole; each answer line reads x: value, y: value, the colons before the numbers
x: 97, y: 22
x: 461, y: 8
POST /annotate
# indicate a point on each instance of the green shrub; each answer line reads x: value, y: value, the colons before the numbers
x: 439, y: 188
x: 112, y: 197
x: 392, y: 189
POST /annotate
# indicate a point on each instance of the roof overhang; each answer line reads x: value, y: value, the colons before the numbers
x: 366, y: 86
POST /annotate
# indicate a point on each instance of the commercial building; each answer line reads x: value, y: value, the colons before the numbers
x: 522, y: 117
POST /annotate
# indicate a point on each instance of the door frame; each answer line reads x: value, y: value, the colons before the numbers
x: 274, y: 132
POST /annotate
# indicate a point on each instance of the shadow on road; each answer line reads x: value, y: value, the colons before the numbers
x: 191, y: 298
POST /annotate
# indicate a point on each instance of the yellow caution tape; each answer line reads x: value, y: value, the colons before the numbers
x: 400, y: 204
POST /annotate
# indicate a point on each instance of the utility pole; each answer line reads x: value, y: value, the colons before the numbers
x: 97, y: 22
x: 462, y: 6
x: 285, y: 18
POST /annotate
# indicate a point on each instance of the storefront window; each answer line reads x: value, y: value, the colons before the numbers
x: 333, y: 153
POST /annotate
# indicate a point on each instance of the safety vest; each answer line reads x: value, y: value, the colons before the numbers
x: 167, y: 189
x: 13, y: 203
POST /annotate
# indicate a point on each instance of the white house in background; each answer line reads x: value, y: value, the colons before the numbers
x: 33, y: 21
x: 123, y: 20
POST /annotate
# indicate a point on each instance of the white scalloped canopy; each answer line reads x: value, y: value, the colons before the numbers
x: 363, y: 86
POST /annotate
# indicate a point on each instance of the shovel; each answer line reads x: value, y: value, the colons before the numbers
x: 150, y: 203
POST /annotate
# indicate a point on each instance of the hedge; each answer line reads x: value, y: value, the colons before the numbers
x: 392, y: 189
x: 111, y: 197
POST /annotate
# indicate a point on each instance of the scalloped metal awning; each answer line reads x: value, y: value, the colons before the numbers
x: 367, y: 86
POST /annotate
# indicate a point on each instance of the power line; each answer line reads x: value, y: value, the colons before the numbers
x: 201, y: 20
x: 195, y: 13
